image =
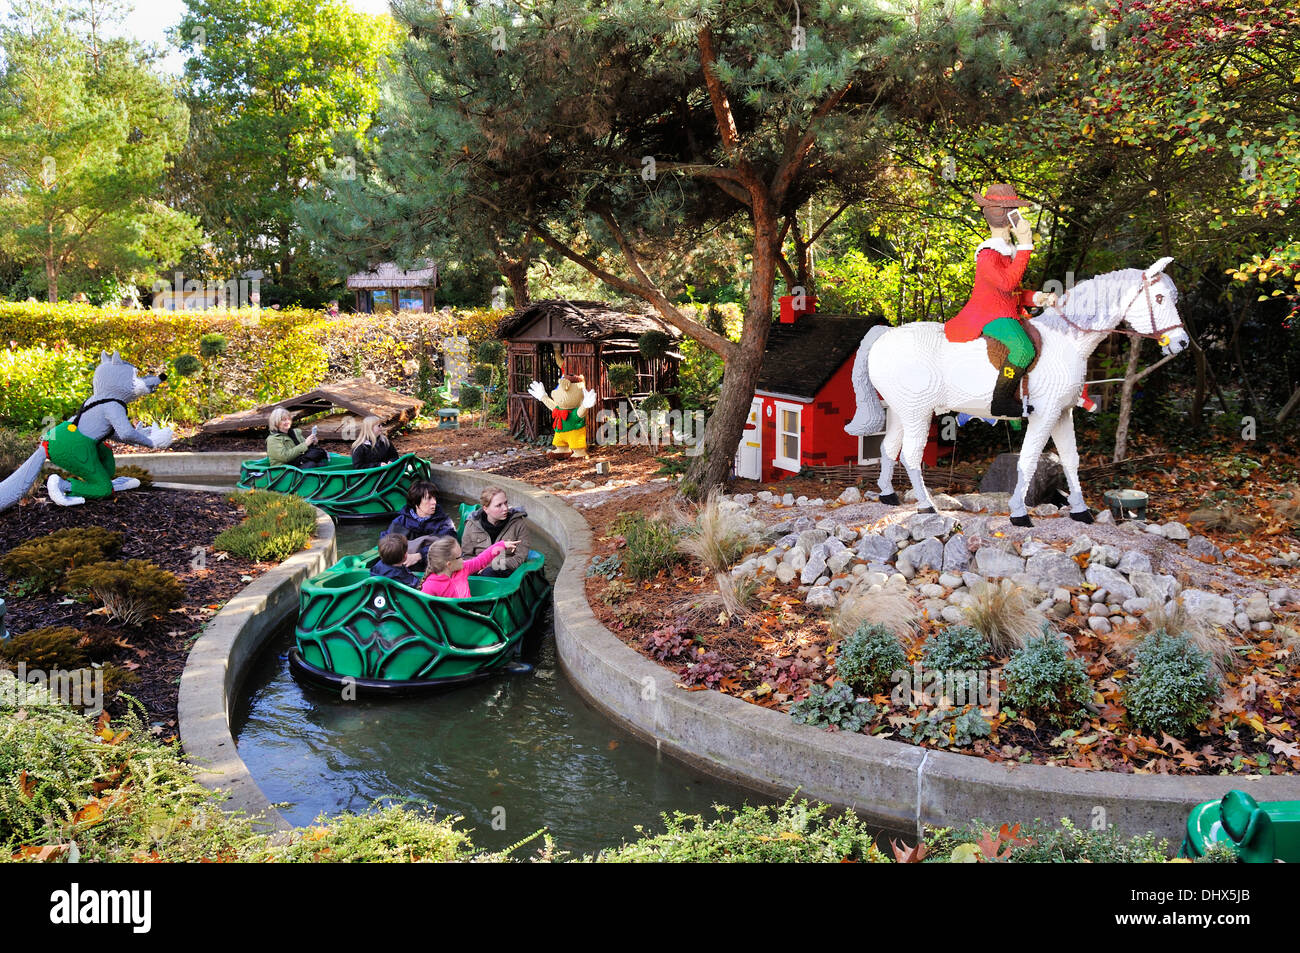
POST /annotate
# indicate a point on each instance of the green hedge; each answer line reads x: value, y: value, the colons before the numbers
x: 52, y: 350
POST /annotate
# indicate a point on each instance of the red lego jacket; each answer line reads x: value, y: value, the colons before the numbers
x: 997, y: 292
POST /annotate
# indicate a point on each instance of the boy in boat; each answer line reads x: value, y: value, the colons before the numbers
x: 421, y: 520
x: 394, y: 560
x: 449, y: 574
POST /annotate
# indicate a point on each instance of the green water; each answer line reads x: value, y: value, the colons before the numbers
x: 511, y: 755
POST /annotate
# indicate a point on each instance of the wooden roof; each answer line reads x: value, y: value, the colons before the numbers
x: 589, y: 320
x: 802, y: 357
x: 388, y: 275
x: 360, y: 397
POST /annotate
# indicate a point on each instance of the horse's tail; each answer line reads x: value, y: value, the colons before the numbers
x: 15, y: 487
x: 870, y: 416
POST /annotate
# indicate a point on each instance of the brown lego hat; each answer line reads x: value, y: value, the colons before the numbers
x: 1001, y: 196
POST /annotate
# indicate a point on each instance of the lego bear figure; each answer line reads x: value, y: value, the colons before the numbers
x: 568, y: 404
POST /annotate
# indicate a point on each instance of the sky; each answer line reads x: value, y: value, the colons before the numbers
x: 150, y: 20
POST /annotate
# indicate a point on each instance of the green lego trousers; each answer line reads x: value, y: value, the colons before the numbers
x: 89, y: 462
x: 1020, y: 350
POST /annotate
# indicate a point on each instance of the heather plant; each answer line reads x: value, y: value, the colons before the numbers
x: 132, y: 591
x: 1044, y: 681
x: 1172, y: 687
x: 40, y: 563
x: 868, y: 659
x: 46, y: 648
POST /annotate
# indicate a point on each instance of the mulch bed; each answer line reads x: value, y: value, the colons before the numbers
x: 158, y: 525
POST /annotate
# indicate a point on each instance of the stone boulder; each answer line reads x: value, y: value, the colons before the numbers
x: 1215, y: 609
x: 992, y: 562
x: 1055, y: 569
x: 1112, y: 581
x: 1043, y: 486
x: 927, y: 554
x: 956, y: 554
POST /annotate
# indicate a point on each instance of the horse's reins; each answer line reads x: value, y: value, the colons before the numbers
x: 1159, y: 335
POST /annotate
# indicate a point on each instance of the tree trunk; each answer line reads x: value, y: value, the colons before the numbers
x: 1291, y: 404
x: 1126, y: 399
x: 51, y: 281
x: 722, y: 432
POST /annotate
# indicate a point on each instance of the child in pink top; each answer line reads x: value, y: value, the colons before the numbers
x: 449, y: 574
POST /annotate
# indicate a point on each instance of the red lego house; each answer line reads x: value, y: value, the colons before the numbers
x: 803, y: 399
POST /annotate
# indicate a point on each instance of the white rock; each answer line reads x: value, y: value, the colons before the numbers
x: 1096, y: 609
x: 817, y: 502
x: 951, y: 580
x: 841, y: 584
x: 1099, y: 624
x: 787, y: 499
x: 931, y: 591
x: 1153, y: 529
x: 798, y: 560
x: 952, y: 614
x: 1214, y: 608
x: 927, y: 554
x: 1263, y: 626
x: 1159, y: 589
x: 1055, y: 569
x: 1102, y: 555
x: 822, y: 597
x: 801, y: 501
x: 1241, y: 621
x: 1136, y: 606
x: 904, y: 568
x: 934, y: 608
x: 813, y: 570
x: 1109, y: 579
x: 786, y: 573
x: 1256, y: 608
x: 764, y: 496
x: 846, y: 534
x: 1045, y: 605
x: 838, y: 561
x: 1080, y: 544
x: 1099, y: 595
x: 1134, y: 561
x: 956, y: 554
x: 850, y: 495
x: 993, y: 562
x: 1177, y: 531
x: 1061, y: 594
x: 860, y: 569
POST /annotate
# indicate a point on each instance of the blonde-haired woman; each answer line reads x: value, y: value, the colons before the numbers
x: 496, y: 521
x: 286, y: 444
x: 372, y: 447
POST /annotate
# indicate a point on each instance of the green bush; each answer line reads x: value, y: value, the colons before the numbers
x: 655, y: 403
x: 278, y: 525
x: 40, y: 563
x: 47, y: 648
x: 482, y: 374
x: 37, y: 383
x: 491, y: 352
x: 1037, y: 843
x: 187, y: 365
x: 836, y: 706
x: 958, y: 648
x: 1044, y: 680
x: 654, y: 344
x: 622, y: 378
x: 789, y: 833
x: 943, y: 727
x: 15, y: 448
x: 132, y: 591
x: 471, y: 397
x: 868, y: 659
x: 651, y: 546
x: 139, y: 473
x: 1173, y: 685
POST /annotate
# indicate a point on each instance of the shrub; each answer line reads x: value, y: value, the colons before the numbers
x: 956, y: 648
x: 622, y: 378
x: 40, y: 382
x: 890, y: 606
x: 943, y: 727
x: 40, y: 563
x: 718, y: 534
x: 46, y: 648
x: 1003, y: 613
x: 491, y: 352
x: 1044, y: 680
x: 278, y: 525
x: 482, y: 374
x: 1037, y: 843
x: 654, y: 403
x: 653, y: 344
x: 471, y: 397
x: 1172, y: 686
x: 836, y: 706
x: 707, y: 669
x: 789, y: 833
x: 651, y: 546
x: 140, y: 473
x: 607, y: 566
x: 1200, y: 631
x: 213, y: 344
x: 187, y: 365
x: 131, y: 591
x: 868, y: 659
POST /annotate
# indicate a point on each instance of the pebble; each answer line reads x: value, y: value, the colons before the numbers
x: 932, y: 591
x: 951, y: 580
x: 850, y: 495
x: 1099, y: 624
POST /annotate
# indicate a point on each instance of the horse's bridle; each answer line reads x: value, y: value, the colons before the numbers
x: 1159, y: 335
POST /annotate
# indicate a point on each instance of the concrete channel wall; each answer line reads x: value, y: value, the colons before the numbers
x: 897, y: 786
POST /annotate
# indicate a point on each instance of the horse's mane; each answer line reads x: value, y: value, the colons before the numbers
x: 1090, y: 302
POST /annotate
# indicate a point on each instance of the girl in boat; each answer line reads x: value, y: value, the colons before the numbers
x: 286, y: 444
x: 372, y: 447
x: 449, y: 574
x: 495, y: 520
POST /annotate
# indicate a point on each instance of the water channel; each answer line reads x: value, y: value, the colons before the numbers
x: 511, y: 755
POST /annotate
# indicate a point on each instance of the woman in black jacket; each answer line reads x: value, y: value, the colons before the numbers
x: 372, y: 447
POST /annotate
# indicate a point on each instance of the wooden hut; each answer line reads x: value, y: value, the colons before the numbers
x: 547, y: 338
x: 386, y: 289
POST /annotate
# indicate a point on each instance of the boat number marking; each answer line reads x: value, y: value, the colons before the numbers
x: 380, y: 602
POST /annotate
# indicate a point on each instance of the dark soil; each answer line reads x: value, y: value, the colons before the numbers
x: 164, y: 527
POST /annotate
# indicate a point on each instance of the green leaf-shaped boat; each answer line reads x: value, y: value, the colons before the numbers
x: 371, y: 633
x: 339, y: 488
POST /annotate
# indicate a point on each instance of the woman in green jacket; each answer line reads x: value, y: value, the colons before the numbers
x: 286, y: 444
x: 496, y: 522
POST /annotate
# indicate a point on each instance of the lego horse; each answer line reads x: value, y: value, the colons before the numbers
x: 918, y: 374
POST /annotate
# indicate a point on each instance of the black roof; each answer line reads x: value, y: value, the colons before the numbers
x: 802, y: 357
x: 594, y: 320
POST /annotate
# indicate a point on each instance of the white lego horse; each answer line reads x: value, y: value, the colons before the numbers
x: 919, y: 373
